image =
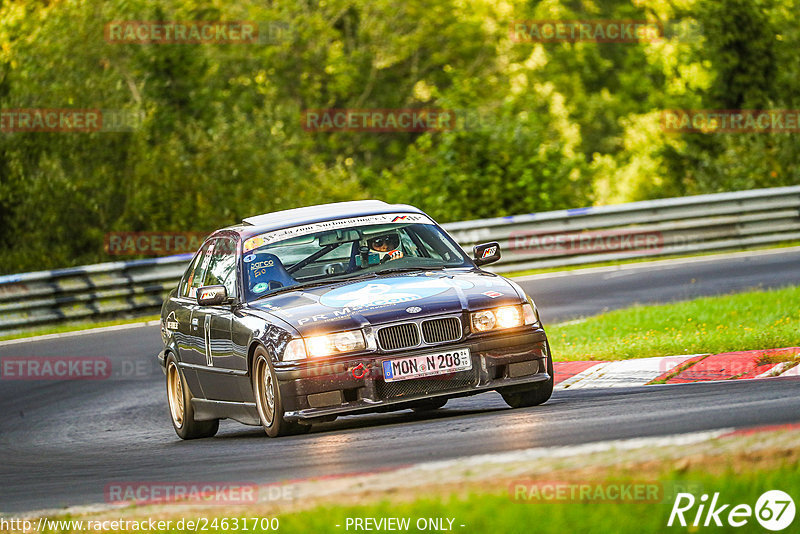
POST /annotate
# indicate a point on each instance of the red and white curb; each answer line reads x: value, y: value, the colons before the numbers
x: 678, y: 369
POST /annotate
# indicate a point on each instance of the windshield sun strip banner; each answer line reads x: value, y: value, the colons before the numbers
x: 336, y: 224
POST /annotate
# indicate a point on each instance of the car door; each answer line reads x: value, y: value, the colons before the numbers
x: 221, y: 364
x: 195, y: 353
x: 189, y: 337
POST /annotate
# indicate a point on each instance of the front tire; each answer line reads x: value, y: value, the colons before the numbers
x: 181, y: 411
x: 534, y: 394
x: 268, y: 398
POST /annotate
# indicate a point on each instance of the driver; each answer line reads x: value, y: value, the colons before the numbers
x: 387, y: 246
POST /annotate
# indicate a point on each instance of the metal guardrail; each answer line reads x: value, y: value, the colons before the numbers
x: 685, y: 225
x: 93, y: 291
x: 719, y: 222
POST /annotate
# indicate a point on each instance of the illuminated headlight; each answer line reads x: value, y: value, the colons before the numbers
x: 508, y: 316
x: 330, y: 344
x: 503, y: 317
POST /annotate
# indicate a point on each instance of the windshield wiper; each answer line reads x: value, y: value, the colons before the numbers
x: 409, y: 269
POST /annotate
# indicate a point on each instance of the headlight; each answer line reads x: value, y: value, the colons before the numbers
x: 529, y: 312
x: 325, y: 345
x: 483, y: 321
x: 503, y: 317
x: 295, y: 350
x: 508, y: 316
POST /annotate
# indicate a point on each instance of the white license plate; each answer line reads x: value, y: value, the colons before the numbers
x: 440, y: 363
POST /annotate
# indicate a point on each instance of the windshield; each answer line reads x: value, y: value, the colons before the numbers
x: 270, y: 264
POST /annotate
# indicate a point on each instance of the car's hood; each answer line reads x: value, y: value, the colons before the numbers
x: 384, y: 299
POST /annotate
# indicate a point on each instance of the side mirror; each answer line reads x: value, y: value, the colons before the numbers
x: 486, y: 253
x: 211, y: 295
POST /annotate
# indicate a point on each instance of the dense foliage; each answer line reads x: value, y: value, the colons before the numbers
x: 552, y: 125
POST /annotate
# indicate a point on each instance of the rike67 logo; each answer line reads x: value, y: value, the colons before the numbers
x: 774, y: 510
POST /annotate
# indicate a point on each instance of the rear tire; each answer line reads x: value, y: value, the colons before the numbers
x: 534, y: 394
x: 181, y: 411
x: 268, y: 398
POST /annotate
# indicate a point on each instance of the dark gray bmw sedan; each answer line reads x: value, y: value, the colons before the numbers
x: 300, y: 316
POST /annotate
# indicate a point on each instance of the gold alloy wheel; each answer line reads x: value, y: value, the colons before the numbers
x: 175, y: 394
x: 265, y: 391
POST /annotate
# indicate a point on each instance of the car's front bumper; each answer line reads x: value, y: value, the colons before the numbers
x: 319, y: 390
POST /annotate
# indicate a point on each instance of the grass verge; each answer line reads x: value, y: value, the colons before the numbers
x: 515, y: 511
x: 743, y: 321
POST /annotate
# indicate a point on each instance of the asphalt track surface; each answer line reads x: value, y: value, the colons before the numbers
x: 62, y: 442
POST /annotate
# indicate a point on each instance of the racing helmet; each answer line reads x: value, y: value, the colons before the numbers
x: 384, y: 243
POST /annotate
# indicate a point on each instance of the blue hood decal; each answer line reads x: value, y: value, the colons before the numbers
x: 389, y: 291
x: 382, y: 300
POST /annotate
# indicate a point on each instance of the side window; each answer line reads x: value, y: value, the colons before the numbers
x: 196, y: 272
x: 222, y: 265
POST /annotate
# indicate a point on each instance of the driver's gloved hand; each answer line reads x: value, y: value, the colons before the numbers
x: 393, y: 255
